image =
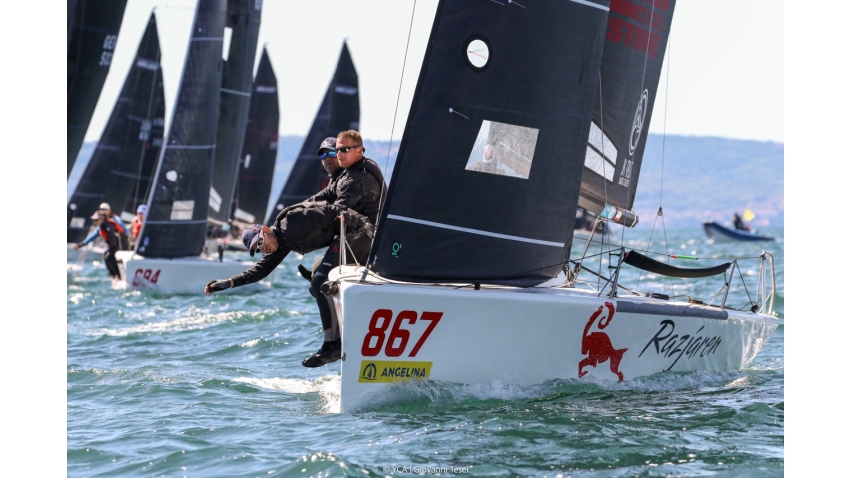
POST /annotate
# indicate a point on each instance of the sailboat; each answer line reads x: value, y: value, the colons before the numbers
x: 339, y: 111
x: 470, y: 278
x: 169, y: 255
x: 259, y: 149
x: 119, y: 170
x: 243, y: 21
x: 92, y: 35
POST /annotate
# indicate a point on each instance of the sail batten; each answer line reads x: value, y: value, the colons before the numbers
x: 476, y: 231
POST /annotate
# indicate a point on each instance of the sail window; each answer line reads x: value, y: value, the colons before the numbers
x: 503, y: 149
x: 478, y: 53
x: 182, y: 210
x: 601, y: 156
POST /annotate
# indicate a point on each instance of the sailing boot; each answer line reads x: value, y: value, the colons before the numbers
x: 305, y: 273
x: 329, y: 353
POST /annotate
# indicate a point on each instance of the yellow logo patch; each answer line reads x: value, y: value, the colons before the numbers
x: 385, y: 371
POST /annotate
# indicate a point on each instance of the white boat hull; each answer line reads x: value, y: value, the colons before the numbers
x: 528, y: 336
x: 183, y: 275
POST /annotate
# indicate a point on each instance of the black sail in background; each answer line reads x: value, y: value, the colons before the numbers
x: 72, y: 12
x: 120, y: 167
x: 259, y: 151
x: 91, y: 43
x: 177, y: 207
x: 243, y: 18
x: 635, y: 42
x: 340, y: 111
x: 489, y: 168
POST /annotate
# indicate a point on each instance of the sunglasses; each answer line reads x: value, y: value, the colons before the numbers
x: 346, y: 149
x: 331, y: 154
x: 259, y: 243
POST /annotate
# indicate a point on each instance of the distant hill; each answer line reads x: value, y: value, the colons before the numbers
x: 705, y: 178
x: 708, y: 178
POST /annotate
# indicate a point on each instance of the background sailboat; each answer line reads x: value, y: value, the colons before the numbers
x: 339, y: 111
x: 259, y: 149
x: 168, y: 251
x: 92, y: 36
x: 243, y: 21
x: 120, y: 167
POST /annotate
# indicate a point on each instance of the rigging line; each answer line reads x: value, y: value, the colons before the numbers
x: 664, y: 135
x: 643, y: 79
x: 392, y: 131
x: 669, y: 53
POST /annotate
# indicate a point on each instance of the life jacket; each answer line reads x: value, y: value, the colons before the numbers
x: 372, y: 209
x: 136, y: 227
x: 118, y: 238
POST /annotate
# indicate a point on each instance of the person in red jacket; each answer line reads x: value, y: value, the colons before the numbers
x: 113, y: 231
x: 138, y: 220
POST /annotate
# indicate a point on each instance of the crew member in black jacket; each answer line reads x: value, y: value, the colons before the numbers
x: 357, y: 196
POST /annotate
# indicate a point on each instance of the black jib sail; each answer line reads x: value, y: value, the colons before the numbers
x: 243, y: 20
x: 177, y: 207
x: 259, y: 151
x: 486, y: 183
x: 635, y: 42
x: 340, y: 111
x: 91, y: 42
x: 120, y: 167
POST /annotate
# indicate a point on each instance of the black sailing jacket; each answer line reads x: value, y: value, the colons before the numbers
x: 356, y: 192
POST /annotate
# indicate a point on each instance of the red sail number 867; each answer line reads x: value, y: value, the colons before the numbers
x: 398, y: 337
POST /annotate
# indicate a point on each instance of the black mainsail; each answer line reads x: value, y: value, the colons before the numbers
x: 340, y: 111
x: 120, y: 166
x: 177, y: 207
x: 259, y: 150
x: 243, y: 19
x: 635, y: 42
x: 91, y: 42
x: 486, y: 183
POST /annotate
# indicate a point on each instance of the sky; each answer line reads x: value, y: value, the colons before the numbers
x: 725, y: 62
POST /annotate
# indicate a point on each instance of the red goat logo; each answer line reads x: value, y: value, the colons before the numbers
x: 597, y: 346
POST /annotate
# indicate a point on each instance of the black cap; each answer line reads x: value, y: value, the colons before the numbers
x: 328, y: 143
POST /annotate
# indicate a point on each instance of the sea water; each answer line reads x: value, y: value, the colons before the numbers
x: 212, y: 386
